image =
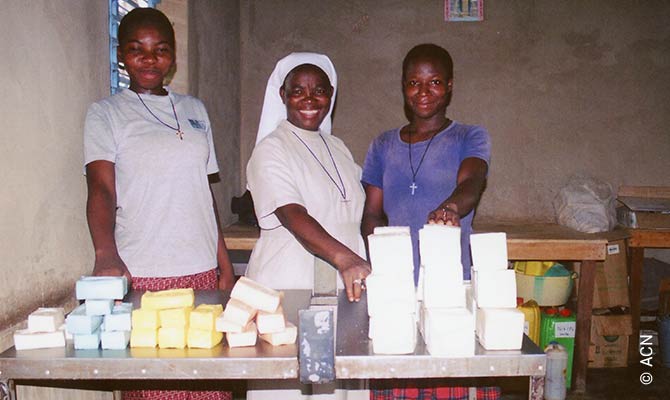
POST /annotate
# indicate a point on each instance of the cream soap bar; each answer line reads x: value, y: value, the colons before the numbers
x: 87, y: 341
x: 500, y: 328
x: 238, y: 312
x: 267, y: 322
x: 143, y: 337
x: 449, y: 332
x: 255, y: 295
x: 204, y: 316
x: 101, y: 287
x: 393, y: 333
x: 285, y: 336
x: 223, y: 325
x: 115, y: 340
x: 245, y: 338
x: 440, y: 246
x: 46, y: 320
x: 382, y: 230
x: 495, y: 289
x: 203, y: 338
x: 386, y: 292
x: 78, y: 323
x: 174, y: 317
x: 172, y: 337
x: 391, y: 254
x: 99, y: 306
x: 24, y: 339
x: 145, y: 319
x: 440, y: 291
x: 120, y: 318
x: 173, y: 298
x: 489, y: 251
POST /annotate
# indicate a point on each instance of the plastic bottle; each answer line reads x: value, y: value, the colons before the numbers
x: 557, y: 365
x: 559, y: 326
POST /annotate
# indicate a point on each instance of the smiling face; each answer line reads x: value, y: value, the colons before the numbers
x: 307, y: 94
x: 148, y: 54
x: 426, y: 88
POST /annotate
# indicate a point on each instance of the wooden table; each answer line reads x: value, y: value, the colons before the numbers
x: 525, y: 241
x: 638, y: 241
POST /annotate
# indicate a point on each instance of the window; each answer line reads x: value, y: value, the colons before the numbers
x: 117, y: 9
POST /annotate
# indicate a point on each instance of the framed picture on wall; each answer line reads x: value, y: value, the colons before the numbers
x: 463, y: 10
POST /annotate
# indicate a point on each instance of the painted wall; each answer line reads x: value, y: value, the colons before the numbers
x: 53, y: 66
x: 563, y: 87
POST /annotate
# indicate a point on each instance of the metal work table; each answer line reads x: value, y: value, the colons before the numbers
x: 354, y: 358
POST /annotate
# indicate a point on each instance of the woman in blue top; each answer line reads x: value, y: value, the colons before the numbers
x: 432, y: 170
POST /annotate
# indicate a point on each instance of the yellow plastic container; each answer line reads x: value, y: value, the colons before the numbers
x: 536, y: 268
x: 531, y: 315
x: 545, y: 290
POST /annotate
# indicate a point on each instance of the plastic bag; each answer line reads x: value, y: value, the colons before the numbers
x: 586, y: 204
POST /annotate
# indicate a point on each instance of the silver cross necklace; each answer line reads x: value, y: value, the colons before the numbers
x: 177, y: 130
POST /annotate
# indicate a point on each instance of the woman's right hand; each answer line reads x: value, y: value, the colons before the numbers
x: 354, y: 270
x: 111, y: 266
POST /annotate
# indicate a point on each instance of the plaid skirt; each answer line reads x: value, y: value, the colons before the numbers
x: 203, y: 281
x: 437, y: 393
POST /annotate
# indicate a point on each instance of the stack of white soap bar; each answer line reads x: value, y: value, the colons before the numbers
x: 253, y: 310
x: 391, y: 295
x: 45, y: 330
x: 445, y: 322
x: 499, y: 324
x: 99, y: 294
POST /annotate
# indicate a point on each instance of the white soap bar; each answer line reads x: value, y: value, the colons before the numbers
x: 441, y: 294
x: 489, y: 251
x: 393, y: 333
x: 470, y: 302
x: 99, y: 306
x: 223, y: 325
x: 78, y: 323
x: 238, y: 312
x: 391, y: 254
x: 120, y: 318
x: 255, y: 295
x: 267, y: 322
x: 115, y: 340
x: 87, y: 341
x: 46, y: 319
x: 24, y: 339
x: 383, y: 230
x: 388, y: 292
x: 495, y: 289
x: 285, y: 336
x: 440, y: 246
x: 449, y: 332
x: 500, y: 328
x: 245, y: 338
x: 101, y: 287
x: 419, y: 285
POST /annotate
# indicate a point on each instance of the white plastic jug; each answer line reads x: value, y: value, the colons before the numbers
x: 557, y: 365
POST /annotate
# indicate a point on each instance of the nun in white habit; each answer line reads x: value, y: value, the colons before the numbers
x: 307, y: 196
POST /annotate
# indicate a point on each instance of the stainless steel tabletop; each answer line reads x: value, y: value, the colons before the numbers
x: 354, y: 357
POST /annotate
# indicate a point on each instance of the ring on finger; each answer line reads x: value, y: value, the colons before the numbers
x: 358, y: 281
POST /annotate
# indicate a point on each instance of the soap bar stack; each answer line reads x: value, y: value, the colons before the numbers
x: 499, y: 324
x: 447, y: 325
x: 45, y: 330
x: 391, y: 296
x: 255, y: 310
x: 85, y: 322
x: 202, y: 332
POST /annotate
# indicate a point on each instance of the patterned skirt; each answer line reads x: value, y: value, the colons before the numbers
x: 207, y: 280
x: 433, y: 393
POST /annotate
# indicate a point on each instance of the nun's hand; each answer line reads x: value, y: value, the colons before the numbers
x: 354, y: 270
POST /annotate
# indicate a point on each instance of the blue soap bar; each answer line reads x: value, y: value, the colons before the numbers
x: 78, y: 323
x: 115, y: 340
x: 101, y: 287
x: 120, y: 318
x: 86, y: 341
x: 99, y: 306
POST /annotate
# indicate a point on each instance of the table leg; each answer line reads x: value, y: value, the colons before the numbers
x: 583, y: 333
x: 536, y: 388
x: 635, y: 273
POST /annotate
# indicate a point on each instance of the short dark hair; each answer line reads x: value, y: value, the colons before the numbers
x: 429, y: 51
x: 139, y: 17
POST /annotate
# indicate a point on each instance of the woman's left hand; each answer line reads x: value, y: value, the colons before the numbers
x: 447, y: 215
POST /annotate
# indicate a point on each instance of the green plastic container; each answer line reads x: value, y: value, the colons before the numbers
x: 559, y: 326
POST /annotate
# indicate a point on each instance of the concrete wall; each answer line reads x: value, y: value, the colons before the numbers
x: 53, y: 67
x: 214, y: 71
x: 563, y: 87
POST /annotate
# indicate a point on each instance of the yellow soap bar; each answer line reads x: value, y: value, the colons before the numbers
x: 172, y: 338
x: 142, y: 337
x: 203, y: 339
x: 174, y: 317
x: 286, y: 336
x: 145, y: 319
x: 173, y: 298
x: 204, y: 316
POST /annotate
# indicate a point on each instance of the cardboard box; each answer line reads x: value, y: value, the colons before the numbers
x: 609, y: 341
x: 644, y: 207
x: 611, y: 281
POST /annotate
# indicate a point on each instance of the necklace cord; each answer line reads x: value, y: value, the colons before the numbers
x: 343, y: 191
x: 174, y: 111
x: 411, y: 166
